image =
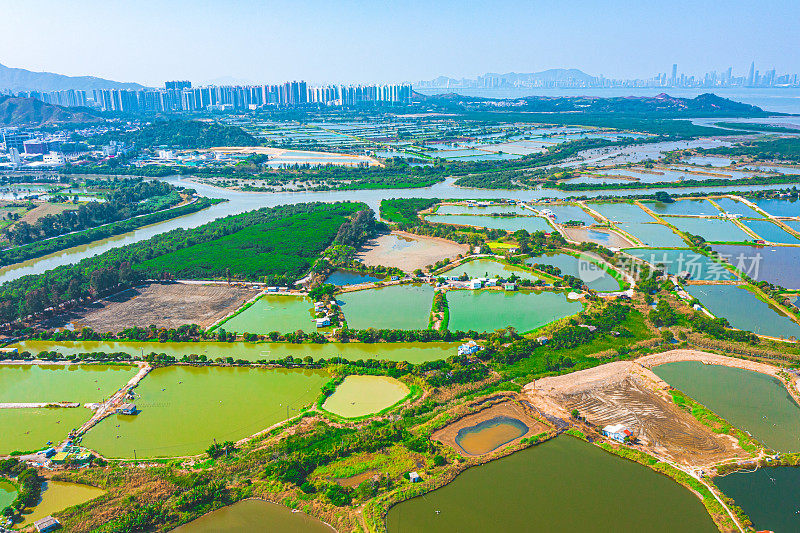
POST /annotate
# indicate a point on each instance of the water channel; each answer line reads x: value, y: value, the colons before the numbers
x: 412, y: 352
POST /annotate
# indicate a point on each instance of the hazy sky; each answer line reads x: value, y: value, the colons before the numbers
x: 150, y: 41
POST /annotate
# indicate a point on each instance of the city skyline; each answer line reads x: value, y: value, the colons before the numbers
x: 352, y: 42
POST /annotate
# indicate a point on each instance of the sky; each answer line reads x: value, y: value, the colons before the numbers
x: 368, y: 41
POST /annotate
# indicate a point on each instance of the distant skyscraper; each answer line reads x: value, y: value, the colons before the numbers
x: 674, y: 77
x: 751, y: 76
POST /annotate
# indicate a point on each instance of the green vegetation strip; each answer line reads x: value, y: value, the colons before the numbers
x: 276, y: 245
x: 714, y: 421
x: 41, y: 248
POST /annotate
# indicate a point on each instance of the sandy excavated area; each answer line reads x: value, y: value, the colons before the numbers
x: 626, y: 393
x: 166, y: 305
x: 615, y: 240
x: 409, y: 252
x: 511, y: 409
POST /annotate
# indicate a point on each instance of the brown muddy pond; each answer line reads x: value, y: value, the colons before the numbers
x: 489, y: 435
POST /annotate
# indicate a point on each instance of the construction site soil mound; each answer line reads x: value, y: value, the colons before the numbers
x: 626, y: 393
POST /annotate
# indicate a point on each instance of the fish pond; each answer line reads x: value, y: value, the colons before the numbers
x: 779, y: 208
x: 405, y: 306
x: 768, y: 496
x: 488, y: 310
x: 771, y: 232
x: 729, y: 205
x: 30, y: 429
x: 453, y: 209
x: 683, y: 207
x: 621, y: 212
x: 593, y: 275
x: 489, y: 435
x: 254, y: 515
x: 489, y: 268
x: 765, y: 263
x: 347, y: 277
x: 412, y: 352
x: 749, y: 400
x: 61, y: 383
x: 744, y: 310
x: 274, y: 313
x: 699, y: 266
x: 561, y: 485
x: 653, y: 234
x: 184, y: 409
x: 530, y: 224
x: 364, y: 395
x: 8, y: 493
x: 566, y: 213
x: 711, y: 229
x: 57, y: 496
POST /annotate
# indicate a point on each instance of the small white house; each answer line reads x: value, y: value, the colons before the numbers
x: 414, y: 477
x: 492, y: 282
x: 319, y: 306
x: 475, y: 284
x: 617, y: 432
x: 46, y: 524
x: 272, y: 289
x: 542, y: 340
x: 469, y: 348
x: 323, y: 322
x: 509, y: 286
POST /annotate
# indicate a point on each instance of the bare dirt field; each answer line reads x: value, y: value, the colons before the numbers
x: 46, y: 209
x: 409, y: 252
x: 166, y: 305
x: 612, y: 239
x: 510, y: 409
x: 626, y: 393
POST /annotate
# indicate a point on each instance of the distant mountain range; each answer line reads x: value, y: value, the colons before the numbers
x: 20, y: 79
x: 491, y: 79
x: 31, y: 112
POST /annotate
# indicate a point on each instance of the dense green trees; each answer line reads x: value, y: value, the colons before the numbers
x: 403, y: 211
x: 49, y: 246
x: 276, y: 245
x: 131, y: 198
x: 186, y: 134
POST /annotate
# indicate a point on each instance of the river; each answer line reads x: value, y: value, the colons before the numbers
x: 239, y: 202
